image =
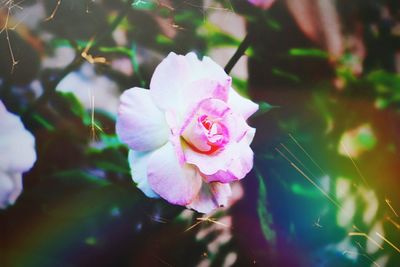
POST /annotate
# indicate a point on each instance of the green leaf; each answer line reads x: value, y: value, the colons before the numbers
x: 42, y: 121
x: 240, y: 85
x: 274, y: 24
x: 308, y: 52
x: 264, y: 107
x: 187, y: 16
x: 78, y: 176
x: 73, y: 104
x: 217, y: 37
x: 263, y: 215
x: 112, y: 167
x: 164, y: 40
x: 385, y: 81
x: 289, y: 76
x: 110, y: 141
x: 119, y: 49
x: 135, y: 64
x: 300, y: 190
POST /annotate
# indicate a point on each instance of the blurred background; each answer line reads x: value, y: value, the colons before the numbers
x: 324, y: 190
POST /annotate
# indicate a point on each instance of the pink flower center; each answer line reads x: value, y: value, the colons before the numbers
x: 215, y: 133
x: 208, y: 135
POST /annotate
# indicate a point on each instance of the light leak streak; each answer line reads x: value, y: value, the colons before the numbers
x: 355, y: 165
x: 388, y: 202
x: 349, y: 252
x: 308, y: 155
x: 205, y: 219
x: 367, y: 237
x: 158, y: 219
x: 298, y: 160
x: 162, y: 261
x: 93, y: 124
x: 54, y: 11
x: 325, y: 193
x: 212, y: 220
x: 393, y: 222
x: 309, y: 179
x: 193, y: 226
x: 387, y: 241
x: 204, y: 9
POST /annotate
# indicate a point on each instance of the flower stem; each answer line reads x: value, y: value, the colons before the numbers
x: 239, y: 53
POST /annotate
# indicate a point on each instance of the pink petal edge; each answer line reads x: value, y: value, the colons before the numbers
x: 176, y: 183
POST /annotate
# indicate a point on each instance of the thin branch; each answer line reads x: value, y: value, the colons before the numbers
x: 239, y: 53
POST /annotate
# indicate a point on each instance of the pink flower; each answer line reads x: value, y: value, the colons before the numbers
x: 264, y: 4
x: 17, y: 155
x: 187, y: 135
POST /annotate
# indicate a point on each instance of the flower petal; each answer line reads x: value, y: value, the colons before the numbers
x: 6, y: 187
x: 18, y: 143
x: 250, y: 135
x: 220, y: 111
x: 178, y: 184
x: 138, y: 164
x: 230, y: 164
x: 140, y: 124
x: 263, y: 4
x: 10, y: 188
x: 241, y: 105
x: 207, y: 88
x: 174, y: 78
x: 210, y: 197
x: 16, y: 179
x: 20, y: 147
x: 168, y: 81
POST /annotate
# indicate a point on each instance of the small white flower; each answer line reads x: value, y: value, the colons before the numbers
x: 17, y: 155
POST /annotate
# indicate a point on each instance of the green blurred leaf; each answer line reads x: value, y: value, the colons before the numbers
x: 274, y: 24
x: 72, y: 103
x: 185, y: 16
x: 110, y: 166
x: 387, y: 87
x: 110, y: 141
x: 217, y: 37
x: 289, y: 76
x: 110, y: 159
x: 164, y: 40
x: 121, y: 50
x: 42, y: 121
x: 240, y: 85
x: 308, y: 52
x: 263, y: 215
x: 385, y: 81
x: 264, y: 107
x: 135, y: 64
x: 78, y: 176
x: 300, y: 190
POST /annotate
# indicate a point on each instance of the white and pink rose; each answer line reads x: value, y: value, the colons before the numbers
x: 187, y: 135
